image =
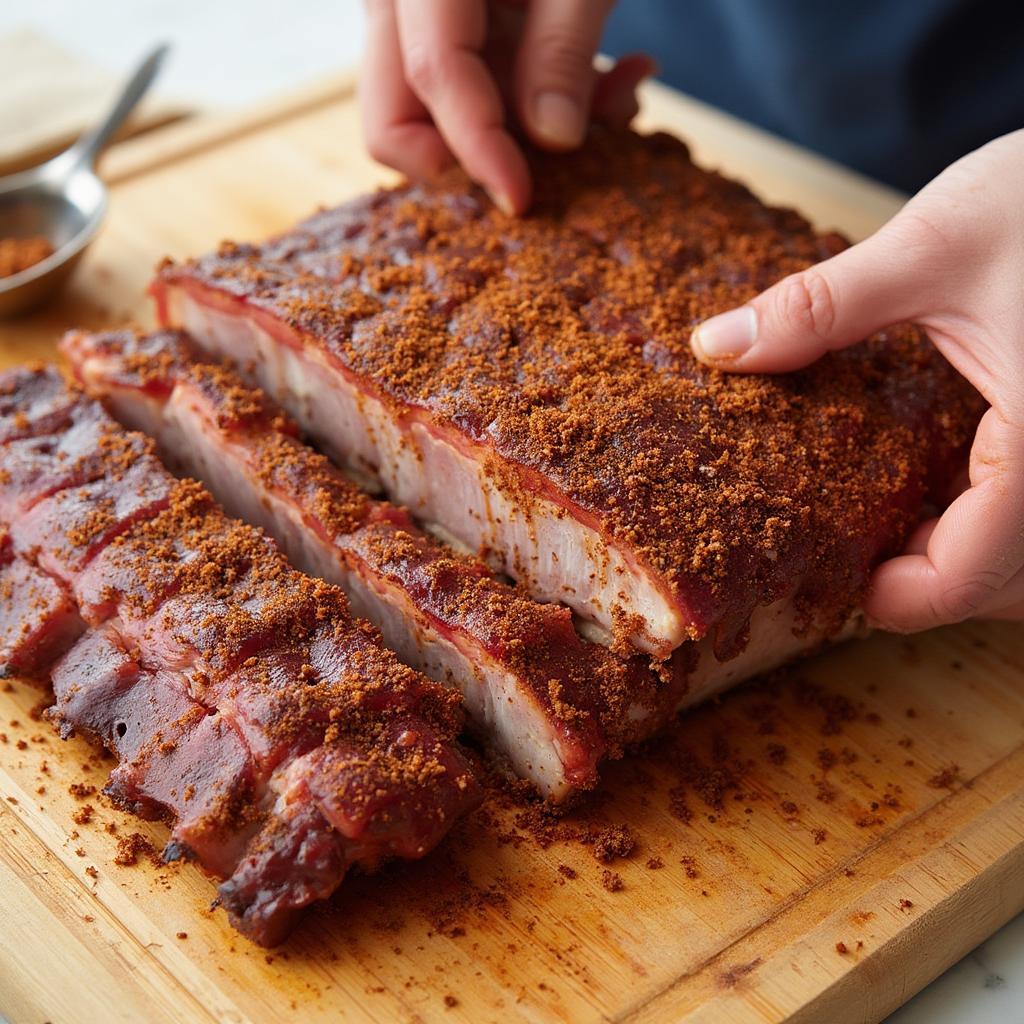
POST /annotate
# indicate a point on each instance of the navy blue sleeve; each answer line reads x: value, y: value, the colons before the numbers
x: 897, y: 89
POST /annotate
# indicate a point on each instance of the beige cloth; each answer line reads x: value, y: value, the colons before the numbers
x: 48, y: 97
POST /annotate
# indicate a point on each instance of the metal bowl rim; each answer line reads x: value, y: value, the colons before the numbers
x: 71, y: 248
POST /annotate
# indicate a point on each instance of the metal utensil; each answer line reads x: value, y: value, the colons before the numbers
x: 63, y: 200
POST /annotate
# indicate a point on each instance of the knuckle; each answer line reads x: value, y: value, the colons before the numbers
x: 951, y: 247
x: 560, y: 55
x: 378, y: 148
x: 968, y: 598
x: 921, y: 228
x: 380, y: 144
x: 424, y: 69
x: 806, y: 301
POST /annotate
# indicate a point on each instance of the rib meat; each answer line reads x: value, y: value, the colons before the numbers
x: 527, y: 385
x: 38, y: 619
x: 232, y: 688
x: 552, y: 703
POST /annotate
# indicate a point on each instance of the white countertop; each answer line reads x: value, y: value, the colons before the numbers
x: 986, y: 987
x: 239, y: 51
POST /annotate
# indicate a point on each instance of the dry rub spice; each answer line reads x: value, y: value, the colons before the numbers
x: 18, y: 254
x: 612, y: 843
x: 611, y: 880
x: 133, y: 846
x: 83, y: 815
x: 945, y: 778
x: 561, y: 342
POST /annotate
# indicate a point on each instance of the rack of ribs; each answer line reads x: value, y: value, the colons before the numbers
x: 548, y: 701
x: 244, y: 703
x: 525, y: 387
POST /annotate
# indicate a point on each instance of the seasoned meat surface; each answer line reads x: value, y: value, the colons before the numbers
x: 228, y: 684
x: 527, y: 385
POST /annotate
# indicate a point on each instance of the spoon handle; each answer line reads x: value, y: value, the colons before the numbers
x: 88, y: 147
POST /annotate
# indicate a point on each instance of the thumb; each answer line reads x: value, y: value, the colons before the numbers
x: 829, y: 306
x: 555, y: 69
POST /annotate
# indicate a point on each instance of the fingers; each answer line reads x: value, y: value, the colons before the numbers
x: 440, y: 42
x: 828, y: 306
x: 918, y: 543
x: 912, y: 593
x: 949, y: 262
x: 614, y: 102
x: 971, y: 562
x: 555, y: 69
x: 396, y: 125
x: 1011, y: 613
x: 429, y: 96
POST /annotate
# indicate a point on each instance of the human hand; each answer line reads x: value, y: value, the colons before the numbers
x: 440, y: 75
x: 951, y: 261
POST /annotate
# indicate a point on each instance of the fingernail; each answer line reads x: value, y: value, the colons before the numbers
x: 503, y: 202
x: 558, y: 119
x: 725, y: 337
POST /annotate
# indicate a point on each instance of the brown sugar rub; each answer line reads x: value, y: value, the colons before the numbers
x: 18, y: 254
x: 245, y: 705
x: 551, y: 703
x: 527, y: 385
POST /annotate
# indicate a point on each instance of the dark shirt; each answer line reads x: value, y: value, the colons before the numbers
x: 897, y: 89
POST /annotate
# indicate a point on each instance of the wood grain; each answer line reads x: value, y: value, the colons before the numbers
x: 893, y: 852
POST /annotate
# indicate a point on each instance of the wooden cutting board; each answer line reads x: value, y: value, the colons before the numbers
x: 815, y: 848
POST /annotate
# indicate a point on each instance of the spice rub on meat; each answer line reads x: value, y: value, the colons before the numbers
x: 549, y: 702
x: 245, y: 705
x: 527, y: 385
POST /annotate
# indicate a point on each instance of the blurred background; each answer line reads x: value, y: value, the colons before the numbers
x: 60, y: 60
x: 225, y: 52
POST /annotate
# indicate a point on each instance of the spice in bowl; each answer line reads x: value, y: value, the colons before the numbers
x: 18, y: 254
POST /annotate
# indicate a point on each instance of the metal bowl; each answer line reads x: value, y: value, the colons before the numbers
x: 64, y: 201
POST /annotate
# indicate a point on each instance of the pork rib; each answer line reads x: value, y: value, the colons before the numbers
x: 242, y: 700
x: 552, y: 703
x: 38, y: 619
x: 527, y: 385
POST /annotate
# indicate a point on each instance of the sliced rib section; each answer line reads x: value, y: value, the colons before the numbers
x: 231, y: 687
x: 527, y: 385
x: 533, y: 686
x: 550, y: 702
x: 38, y: 619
